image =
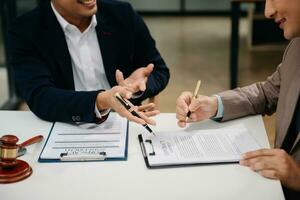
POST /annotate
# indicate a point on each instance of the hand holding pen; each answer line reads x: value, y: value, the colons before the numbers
x: 107, y: 100
x: 134, y: 111
x: 193, y: 107
x: 195, y: 95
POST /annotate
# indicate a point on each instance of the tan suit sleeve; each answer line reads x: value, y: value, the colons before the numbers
x: 258, y: 98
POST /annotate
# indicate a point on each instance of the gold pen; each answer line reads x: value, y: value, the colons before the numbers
x: 130, y: 107
x: 195, y: 95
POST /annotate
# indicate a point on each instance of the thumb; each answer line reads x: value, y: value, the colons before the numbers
x: 119, y: 77
x: 184, y: 100
x: 148, y: 69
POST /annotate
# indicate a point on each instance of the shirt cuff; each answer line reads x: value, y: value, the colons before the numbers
x: 102, y: 113
x: 220, y: 112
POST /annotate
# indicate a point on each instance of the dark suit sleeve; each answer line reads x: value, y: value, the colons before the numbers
x: 35, y: 82
x: 145, y: 52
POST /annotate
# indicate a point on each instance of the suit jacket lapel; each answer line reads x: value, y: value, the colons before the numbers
x: 105, y: 33
x: 54, y: 38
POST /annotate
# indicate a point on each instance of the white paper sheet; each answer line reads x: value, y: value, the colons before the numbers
x: 203, y: 146
x: 88, y: 139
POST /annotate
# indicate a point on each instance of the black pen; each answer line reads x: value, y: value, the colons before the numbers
x: 130, y: 107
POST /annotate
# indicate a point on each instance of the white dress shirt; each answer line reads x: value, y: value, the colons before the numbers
x: 87, y: 62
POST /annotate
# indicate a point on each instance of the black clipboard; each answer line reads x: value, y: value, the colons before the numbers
x: 152, y: 153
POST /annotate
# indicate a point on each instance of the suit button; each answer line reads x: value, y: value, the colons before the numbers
x: 74, y: 118
x: 78, y: 118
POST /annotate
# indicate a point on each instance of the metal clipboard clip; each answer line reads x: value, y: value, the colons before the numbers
x: 83, y: 157
x: 144, y: 148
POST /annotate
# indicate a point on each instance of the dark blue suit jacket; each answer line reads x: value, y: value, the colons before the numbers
x: 41, y: 61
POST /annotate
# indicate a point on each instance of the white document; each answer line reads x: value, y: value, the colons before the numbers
x: 203, y: 146
x: 87, y: 141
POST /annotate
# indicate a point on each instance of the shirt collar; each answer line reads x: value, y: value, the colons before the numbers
x: 65, y: 24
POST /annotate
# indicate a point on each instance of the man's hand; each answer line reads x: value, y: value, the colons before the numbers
x: 148, y: 110
x: 137, y: 80
x: 106, y: 100
x: 203, y: 107
x: 274, y: 164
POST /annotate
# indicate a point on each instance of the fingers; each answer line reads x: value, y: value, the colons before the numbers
x: 148, y: 70
x: 268, y: 159
x: 148, y: 110
x: 275, y: 164
x: 260, y: 163
x: 152, y: 113
x: 201, y: 108
x: 181, y: 114
x: 267, y: 166
x: 120, y: 78
x: 123, y: 112
x: 262, y: 152
x: 137, y: 80
x: 181, y: 124
x: 146, y: 107
x: 147, y: 119
x: 196, y: 103
x: 270, y: 163
x: 272, y: 174
x: 126, y: 114
x: 182, y: 104
x: 142, y: 85
x: 182, y: 108
x: 132, y: 118
x: 253, y: 157
x: 193, y: 118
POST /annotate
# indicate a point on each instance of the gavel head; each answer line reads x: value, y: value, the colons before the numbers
x: 8, y: 151
x: 11, y: 169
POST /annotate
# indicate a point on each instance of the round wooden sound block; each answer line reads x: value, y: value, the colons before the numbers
x: 17, y: 173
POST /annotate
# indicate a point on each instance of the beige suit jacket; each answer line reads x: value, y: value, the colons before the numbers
x: 279, y: 93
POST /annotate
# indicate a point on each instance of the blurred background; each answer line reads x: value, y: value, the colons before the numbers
x: 199, y: 39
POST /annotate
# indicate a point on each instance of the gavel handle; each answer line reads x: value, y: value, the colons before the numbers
x: 31, y: 141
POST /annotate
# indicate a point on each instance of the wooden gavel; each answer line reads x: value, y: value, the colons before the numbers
x: 9, y: 148
x: 12, y: 169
